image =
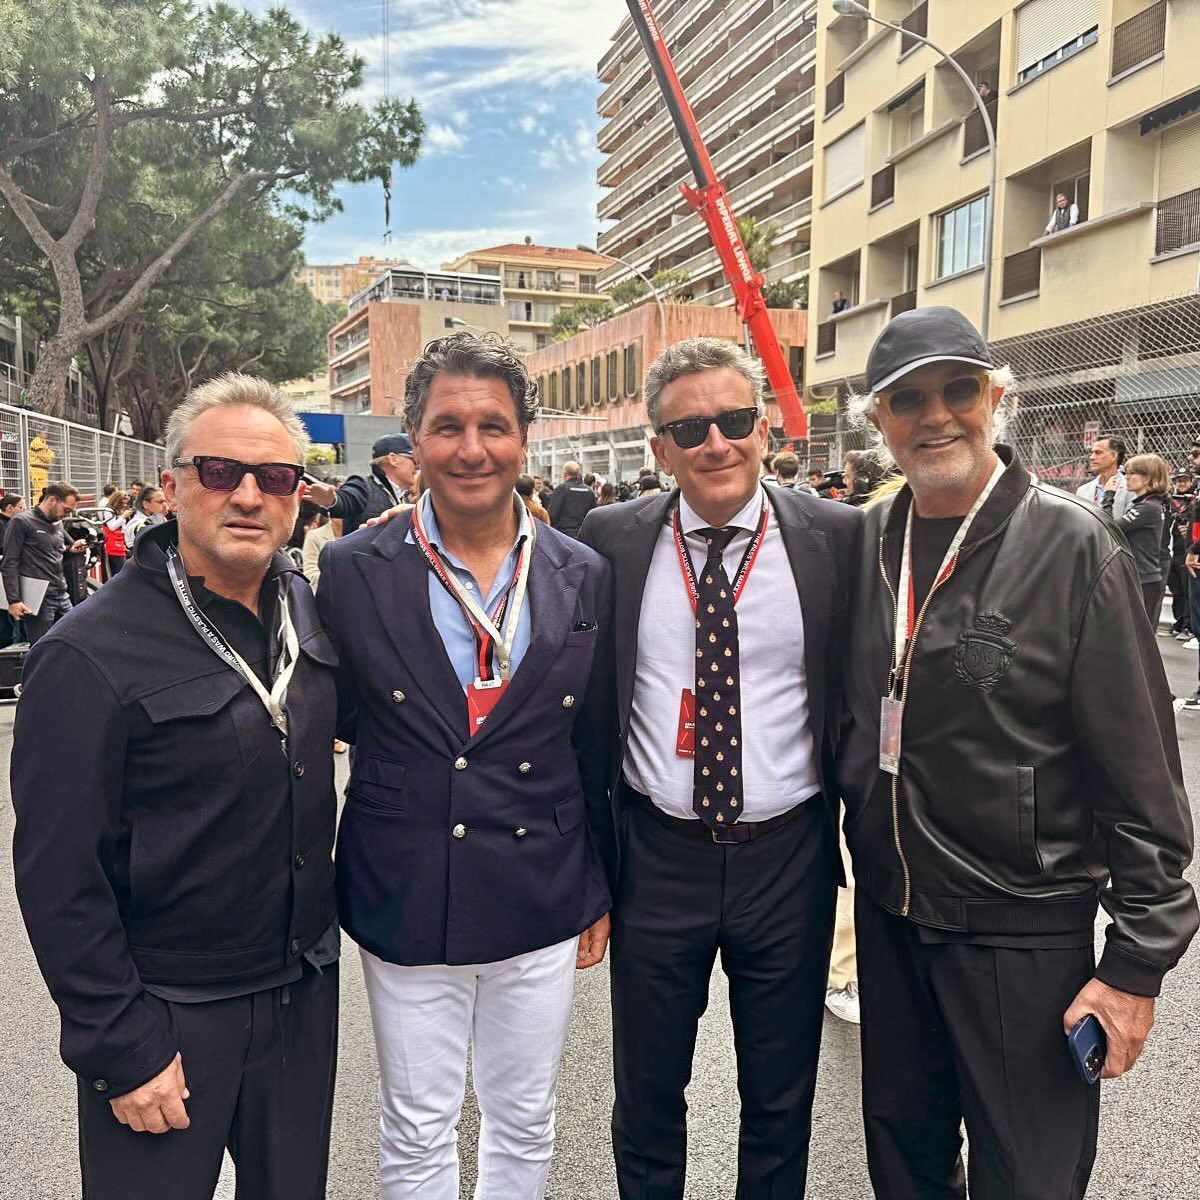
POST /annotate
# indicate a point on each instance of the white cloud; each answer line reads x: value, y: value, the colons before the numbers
x: 443, y: 139
x: 528, y: 124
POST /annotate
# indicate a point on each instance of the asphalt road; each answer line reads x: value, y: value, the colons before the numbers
x: 1150, y: 1125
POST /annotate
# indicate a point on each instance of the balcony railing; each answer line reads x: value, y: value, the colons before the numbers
x: 835, y: 93
x: 349, y: 341
x: 975, y: 136
x: 883, y: 185
x: 1140, y: 38
x: 904, y: 302
x: 826, y: 338
x: 1022, y: 273
x: 1178, y: 222
x: 916, y: 22
x: 352, y: 375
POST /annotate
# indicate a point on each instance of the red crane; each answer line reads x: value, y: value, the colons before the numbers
x: 710, y: 199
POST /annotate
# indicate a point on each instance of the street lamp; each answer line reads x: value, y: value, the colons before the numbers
x: 662, y: 311
x: 852, y: 8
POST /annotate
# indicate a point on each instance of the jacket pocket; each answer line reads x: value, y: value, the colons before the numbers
x: 378, y: 783
x: 1027, y: 819
x: 568, y: 814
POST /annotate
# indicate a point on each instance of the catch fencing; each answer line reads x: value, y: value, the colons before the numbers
x: 36, y: 449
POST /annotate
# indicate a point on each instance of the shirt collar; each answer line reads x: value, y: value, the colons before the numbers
x: 429, y: 521
x: 746, y: 518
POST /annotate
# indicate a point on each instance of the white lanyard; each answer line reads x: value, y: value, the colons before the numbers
x: 504, y: 638
x: 905, y: 602
x: 275, y: 699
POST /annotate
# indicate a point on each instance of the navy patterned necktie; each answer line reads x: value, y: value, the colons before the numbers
x: 717, y: 769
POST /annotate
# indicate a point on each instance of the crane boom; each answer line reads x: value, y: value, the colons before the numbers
x: 710, y: 199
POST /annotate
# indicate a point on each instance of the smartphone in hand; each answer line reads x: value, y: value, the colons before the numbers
x: 1088, y: 1047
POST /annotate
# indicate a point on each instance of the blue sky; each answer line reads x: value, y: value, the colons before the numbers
x: 508, y: 91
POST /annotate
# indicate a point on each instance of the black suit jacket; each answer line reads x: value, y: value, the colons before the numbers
x: 530, y: 789
x: 823, y: 541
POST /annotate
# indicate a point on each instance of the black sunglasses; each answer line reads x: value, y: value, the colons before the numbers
x: 959, y: 395
x: 226, y: 474
x: 690, y: 432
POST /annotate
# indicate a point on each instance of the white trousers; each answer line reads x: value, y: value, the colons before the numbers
x: 514, y: 1016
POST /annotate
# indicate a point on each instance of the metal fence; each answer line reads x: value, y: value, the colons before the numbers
x: 1133, y: 372
x: 35, y: 449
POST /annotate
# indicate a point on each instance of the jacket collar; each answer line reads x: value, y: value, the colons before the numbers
x: 1009, y: 491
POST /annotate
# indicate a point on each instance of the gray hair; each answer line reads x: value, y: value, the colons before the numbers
x: 572, y: 470
x: 232, y: 388
x: 701, y: 354
x: 860, y: 405
x: 486, y: 356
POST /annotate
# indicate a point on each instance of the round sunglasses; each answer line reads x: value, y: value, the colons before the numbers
x: 226, y: 474
x: 960, y: 395
x: 690, y: 432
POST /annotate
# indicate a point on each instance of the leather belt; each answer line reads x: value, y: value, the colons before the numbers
x: 732, y: 835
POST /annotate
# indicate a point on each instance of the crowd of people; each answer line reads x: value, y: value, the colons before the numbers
x: 904, y: 671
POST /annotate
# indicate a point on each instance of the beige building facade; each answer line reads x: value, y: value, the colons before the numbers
x: 1097, y: 100
x: 389, y: 324
x: 748, y: 68
x: 336, y: 282
x: 538, y: 281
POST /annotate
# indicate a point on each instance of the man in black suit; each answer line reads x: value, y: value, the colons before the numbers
x: 477, y: 842
x: 571, y: 501
x: 734, y: 599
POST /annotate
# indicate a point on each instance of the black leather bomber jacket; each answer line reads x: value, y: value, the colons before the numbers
x: 1040, y: 770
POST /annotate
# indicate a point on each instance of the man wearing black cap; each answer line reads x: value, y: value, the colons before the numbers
x: 362, y: 497
x: 989, y: 808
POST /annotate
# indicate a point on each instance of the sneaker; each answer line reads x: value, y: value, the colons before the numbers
x: 1166, y: 633
x: 843, y: 1002
x: 1184, y: 635
x: 1190, y: 702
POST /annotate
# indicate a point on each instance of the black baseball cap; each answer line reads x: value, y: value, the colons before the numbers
x: 922, y: 336
x: 392, y: 443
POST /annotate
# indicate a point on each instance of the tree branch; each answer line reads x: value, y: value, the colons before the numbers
x: 93, y: 184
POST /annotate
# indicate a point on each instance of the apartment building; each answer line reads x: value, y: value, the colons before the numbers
x: 538, y: 282
x: 748, y: 68
x: 389, y: 323
x: 337, y: 282
x: 593, y: 406
x: 1094, y: 100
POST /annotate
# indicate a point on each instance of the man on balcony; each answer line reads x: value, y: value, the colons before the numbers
x: 1063, y: 215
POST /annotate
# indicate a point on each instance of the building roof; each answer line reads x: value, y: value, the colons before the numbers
x: 544, y: 253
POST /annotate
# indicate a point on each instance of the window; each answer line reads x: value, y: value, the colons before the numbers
x: 554, y: 390
x: 597, y: 394
x: 960, y: 237
x: 587, y: 284
x: 631, y: 372
x: 612, y: 375
x: 1076, y: 189
x: 566, y: 387
x: 907, y: 117
x: 581, y: 383
x: 546, y: 281
x: 1049, y: 31
x: 844, y: 162
x: 912, y: 259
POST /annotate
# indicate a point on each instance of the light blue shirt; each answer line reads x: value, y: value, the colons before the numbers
x: 448, y: 616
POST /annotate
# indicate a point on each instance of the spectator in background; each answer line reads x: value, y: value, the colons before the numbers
x: 593, y: 483
x: 986, y: 92
x: 526, y: 488
x: 104, y: 500
x: 361, y: 496
x: 1105, y: 459
x: 649, y: 484
x: 840, y: 303
x: 34, y: 545
x: 816, y: 480
x: 1181, y: 513
x: 1063, y: 215
x: 768, y: 468
x: 608, y: 494
x: 115, y: 550
x: 1146, y: 527
x: 10, y: 504
x: 787, y: 470
x: 571, y: 501
x: 542, y: 492
x: 149, y: 509
x: 135, y: 491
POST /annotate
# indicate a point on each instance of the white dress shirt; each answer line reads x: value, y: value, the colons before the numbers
x: 777, y: 749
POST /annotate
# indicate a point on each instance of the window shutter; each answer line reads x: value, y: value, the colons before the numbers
x: 1044, y: 26
x: 844, y: 161
x: 1179, y: 161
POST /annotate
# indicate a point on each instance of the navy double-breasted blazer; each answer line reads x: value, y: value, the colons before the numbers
x: 457, y: 849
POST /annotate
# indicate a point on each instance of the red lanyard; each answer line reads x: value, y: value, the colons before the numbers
x: 744, y: 567
x: 484, y: 641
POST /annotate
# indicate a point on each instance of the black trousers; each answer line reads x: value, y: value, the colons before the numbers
x: 260, y: 1070
x: 1179, y: 582
x: 961, y: 1032
x: 767, y: 906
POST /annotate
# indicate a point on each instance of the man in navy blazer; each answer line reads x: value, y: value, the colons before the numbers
x: 477, y: 843
x: 733, y: 605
